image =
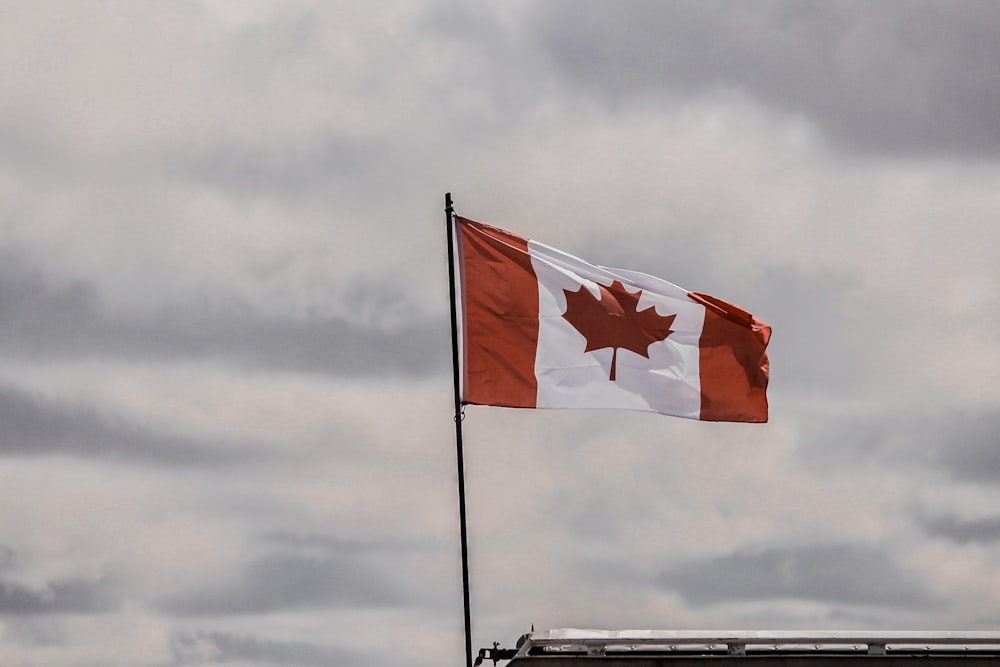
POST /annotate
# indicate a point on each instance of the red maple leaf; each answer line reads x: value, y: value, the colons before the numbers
x: 614, y: 321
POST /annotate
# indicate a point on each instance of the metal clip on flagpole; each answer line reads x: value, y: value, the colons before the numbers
x: 459, y: 414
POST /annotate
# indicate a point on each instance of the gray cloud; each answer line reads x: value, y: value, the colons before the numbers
x: 967, y: 445
x: 891, y: 76
x: 36, y: 427
x: 955, y: 529
x: 324, y: 544
x: 806, y: 311
x: 332, y: 576
x: 327, y: 167
x: 962, y: 445
x: 197, y: 648
x: 836, y: 573
x: 46, y: 321
x: 64, y: 596
x: 7, y: 557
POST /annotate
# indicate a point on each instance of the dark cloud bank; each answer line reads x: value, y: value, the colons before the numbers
x: 962, y: 531
x: 64, y: 596
x: 914, y: 76
x: 197, y: 648
x: 34, y: 426
x: 958, y: 445
x: 307, y: 573
x: 837, y: 573
x: 68, y: 321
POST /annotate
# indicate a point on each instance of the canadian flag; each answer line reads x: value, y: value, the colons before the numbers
x: 544, y: 329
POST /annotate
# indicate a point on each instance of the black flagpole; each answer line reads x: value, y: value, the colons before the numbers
x: 449, y: 215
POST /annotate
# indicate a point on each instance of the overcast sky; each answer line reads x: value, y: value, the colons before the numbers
x: 225, y: 386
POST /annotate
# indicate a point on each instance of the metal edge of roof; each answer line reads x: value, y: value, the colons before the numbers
x: 783, y: 636
x: 878, y: 642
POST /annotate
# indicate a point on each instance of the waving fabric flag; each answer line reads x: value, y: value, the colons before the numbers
x: 544, y: 329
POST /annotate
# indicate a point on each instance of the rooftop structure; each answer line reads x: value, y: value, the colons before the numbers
x: 694, y: 648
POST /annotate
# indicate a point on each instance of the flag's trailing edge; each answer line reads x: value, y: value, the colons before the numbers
x: 544, y: 329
